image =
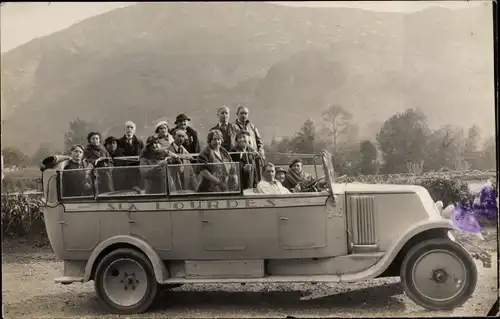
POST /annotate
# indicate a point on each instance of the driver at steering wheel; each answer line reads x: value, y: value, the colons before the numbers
x: 296, y: 178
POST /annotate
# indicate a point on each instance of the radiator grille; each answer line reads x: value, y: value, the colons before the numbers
x: 363, y: 220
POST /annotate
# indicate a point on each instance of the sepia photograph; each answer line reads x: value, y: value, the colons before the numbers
x: 240, y: 159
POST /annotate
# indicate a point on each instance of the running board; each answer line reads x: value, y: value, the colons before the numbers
x: 267, y: 279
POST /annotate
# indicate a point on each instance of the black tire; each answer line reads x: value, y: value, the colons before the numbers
x: 438, y: 245
x: 151, y: 289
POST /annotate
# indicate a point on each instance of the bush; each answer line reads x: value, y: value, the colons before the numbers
x: 22, y: 216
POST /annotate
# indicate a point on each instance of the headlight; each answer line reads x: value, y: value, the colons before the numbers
x: 450, y: 236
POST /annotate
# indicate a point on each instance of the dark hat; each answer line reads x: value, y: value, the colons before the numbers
x: 151, y: 140
x: 181, y: 117
x: 241, y: 132
x: 110, y: 140
x: 280, y: 170
x: 295, y: 161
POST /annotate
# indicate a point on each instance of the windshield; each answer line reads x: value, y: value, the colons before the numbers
x: 328, y: 166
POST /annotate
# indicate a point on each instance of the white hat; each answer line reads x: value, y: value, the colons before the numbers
x: 161, y: 123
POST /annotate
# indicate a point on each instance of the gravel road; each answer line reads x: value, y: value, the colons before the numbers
x: 29, y: 291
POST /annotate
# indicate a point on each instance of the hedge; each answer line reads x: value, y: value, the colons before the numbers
x: 22, y: 215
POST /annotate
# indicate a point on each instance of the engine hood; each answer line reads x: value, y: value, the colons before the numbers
x: 374, y: 189
x: 382, y: 188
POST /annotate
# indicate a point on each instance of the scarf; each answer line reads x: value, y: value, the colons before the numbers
x: 298, y: 178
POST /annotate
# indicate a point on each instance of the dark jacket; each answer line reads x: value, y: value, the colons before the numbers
x: 192, y: 143
x: 130, y: 177
x: 131, y: 150
x: 229, y: 134
x: 154, y: 177
x: 76, y: 179
x: 104, y: 177
x: 216, y: 167
x: 248, y: 179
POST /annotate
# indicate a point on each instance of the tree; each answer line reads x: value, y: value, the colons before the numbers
x: 13, y: 156
x: 367, y: 163
x: 471, y: 146
x: 488, y: 154
x: 402, y: 139
x: 337, y: 124
x: 77, y: 134
x: 443, y: 148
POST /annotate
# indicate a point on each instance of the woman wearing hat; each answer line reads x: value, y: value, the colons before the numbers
x: 296, y: 177
x: 216, y: 178
x: 192, y: 144
x: 247, y: 158
x: 162, y: 134
x: 153, y: 161
x: 111, y: 145
x: 76, y: 178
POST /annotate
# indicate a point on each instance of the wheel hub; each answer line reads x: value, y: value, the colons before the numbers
x: 440, y: 276
x: 125, y: 282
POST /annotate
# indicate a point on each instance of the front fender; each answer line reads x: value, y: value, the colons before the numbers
x: 396, y: 247
x: 160, y: 270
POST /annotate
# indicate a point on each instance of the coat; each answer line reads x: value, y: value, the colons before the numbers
x: 130, y: 177
x: 104, y: 181
x: 248, y: 179
x: 78, y: 182
x: 229, y: 135
x: 192, y: 144
x: 131, y: 150
x: 154, y: 177
x: 181, y: 178
x: 219, y: 168
x: 255, y: 139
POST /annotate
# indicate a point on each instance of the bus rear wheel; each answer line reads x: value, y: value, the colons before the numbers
x: 125, y: 282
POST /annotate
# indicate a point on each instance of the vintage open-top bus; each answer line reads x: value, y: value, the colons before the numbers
x: 133, y: 243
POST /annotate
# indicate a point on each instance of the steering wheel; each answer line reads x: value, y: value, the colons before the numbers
x: 311, y: 186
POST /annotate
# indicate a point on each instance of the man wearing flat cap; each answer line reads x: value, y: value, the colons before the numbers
x: 247, y: 156
x: 296, y: 178
x: 192, y: 144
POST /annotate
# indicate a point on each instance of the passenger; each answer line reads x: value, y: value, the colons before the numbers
x: 111, y: 145
x: 216, y: 178
x: 181, y: 177
x: 296, y: 177
x: 247, y: 158
x: 94, y: 151
x: 227, y: 129
x: 131, y: 145
x: 153, y: 161
x: 192, y: 144
x: 244, y: 124
x: 269, y: 184
x: 76, y: 178
x: 164, y: 137
x: 280, y: 174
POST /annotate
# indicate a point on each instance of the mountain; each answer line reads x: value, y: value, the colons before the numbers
x: 155, y: 60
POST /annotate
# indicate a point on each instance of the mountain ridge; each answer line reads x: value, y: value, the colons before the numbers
x: 278, y: 60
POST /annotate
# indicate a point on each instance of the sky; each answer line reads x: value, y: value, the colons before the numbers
x: 21, y: 22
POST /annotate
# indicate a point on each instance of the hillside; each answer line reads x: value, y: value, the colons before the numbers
x: 286, y: 63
